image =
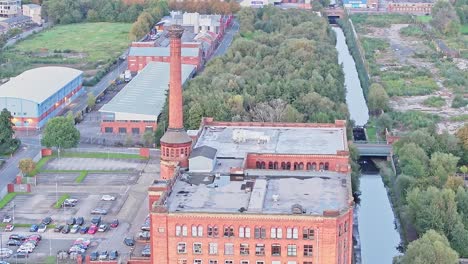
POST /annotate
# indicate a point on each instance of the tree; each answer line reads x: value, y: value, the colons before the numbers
x: 129, y: 140
x: 443, y: 165
x: 462, y: 135
x: 148, y: 138
x: 6, y: 128
x: 413, y: 160
x: 26, y: 166
x: 431, y: 248
x: 91, y: 100
x: 61, y: 133
x: 445, y: 18
x: 377, y: 98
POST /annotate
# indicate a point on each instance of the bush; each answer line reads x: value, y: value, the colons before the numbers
x: 412, y: 30
x: 459, y: 101
x: 434, y: 101
x: 412, y: 120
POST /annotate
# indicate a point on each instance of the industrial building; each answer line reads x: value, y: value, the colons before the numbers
x: 136, y: 108
x: 10, y: 8
x: 34, y: 12
x: 139, y: 57
x: 248, y: 192
x: 39, y: 94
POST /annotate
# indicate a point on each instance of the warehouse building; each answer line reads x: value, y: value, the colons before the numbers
x: 136, y: 108
x: 37, y: 95
x: 139, y: 57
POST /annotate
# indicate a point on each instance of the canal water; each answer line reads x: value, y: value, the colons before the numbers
x: 378, y: 237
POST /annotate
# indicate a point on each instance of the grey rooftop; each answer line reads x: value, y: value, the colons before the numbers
x: 161, y: 51
x: 315, y: 192
x: 233, y: 141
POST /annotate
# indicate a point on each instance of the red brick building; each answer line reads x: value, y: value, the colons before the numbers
x: 138, y: 57
x: 410, y: 7
x: 249, y: 193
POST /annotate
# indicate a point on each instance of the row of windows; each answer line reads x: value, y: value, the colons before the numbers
x: 123, y: 130
x: 199, y: 261
x: 296, y: 165
x: 245, y: 232
x: 175, y: 152
x: 245, y: 250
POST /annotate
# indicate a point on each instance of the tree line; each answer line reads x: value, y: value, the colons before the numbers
x: 206, y: 7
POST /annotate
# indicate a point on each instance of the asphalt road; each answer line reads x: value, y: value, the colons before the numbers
x: 227, y: 40
x: 25, y: 34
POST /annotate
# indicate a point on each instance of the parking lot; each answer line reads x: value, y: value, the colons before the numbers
x: 130, y: 206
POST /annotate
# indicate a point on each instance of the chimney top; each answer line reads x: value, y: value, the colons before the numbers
x: 176, y: 31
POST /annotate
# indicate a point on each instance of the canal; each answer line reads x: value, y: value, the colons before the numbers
x: 378, y: 237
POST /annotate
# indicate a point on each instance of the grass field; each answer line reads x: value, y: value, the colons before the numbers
x: 464, y: 29
x: 85, y: 46
x: 424, y: 19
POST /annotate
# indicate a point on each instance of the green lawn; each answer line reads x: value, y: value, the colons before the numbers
x: 82, y: 176
x: 99, y: 41
x: 6, y: 199
x: 424, y: 19
x: 85, y: 46
x: 60, y: 201
x: 464, y: 29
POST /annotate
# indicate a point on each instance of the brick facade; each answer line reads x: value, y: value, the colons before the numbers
x: 412, y: 8
x: 130, y: 127
x: 137, y: 63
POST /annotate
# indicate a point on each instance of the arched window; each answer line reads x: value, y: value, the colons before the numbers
x: 184, y: 230
x: 321, y: 166
x: 270, y: 165
x: 172, y: 152
x: 258, y: 165
x: 309, y: 166
x: 301, y: 166
x: 275, y: 165
x: 263, y: 165
x: 288, y: 165
x: 178, y: 230
x: 177, y: 152
x: 327, y: 166
x: 283, y: 165
x: 200, y: 231
x: 241, y: 231
x: 296, y: 166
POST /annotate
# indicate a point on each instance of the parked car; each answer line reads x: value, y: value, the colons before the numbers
x: 5, y: 252
x: 92, y: 229
x: 99, y: 211
x: 17, y: 237
x: 66, y: 229
x: 103, y: 228
x: 36, y: 237
x: 33, y: 228
x: 114, y: 223
x: 80, y: 221
x: 113, y: 255
x: 58, y: 228
x: 146, y: 252
x: 20, y: 255
x: 7, y: 219
x: 42, y: 228
x: 103, y: 255
x: 75, y: 229
x: 108, y: 198
x: 96, y: 220
x: 144, y: 235
x: 13, y: 242
x: 9, y: 228
x: 47, y: 220
x: 145, y: 227
x: 71, y: 221
x: 94, y: 256
x: 129, y: 241
x: 84, y: 230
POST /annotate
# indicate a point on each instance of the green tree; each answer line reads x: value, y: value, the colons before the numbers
x: 6, y: 129
x: 377, y: 98
x: 26, y: 166
x: 413, y: 160
x: 431, y: 248
x: 61, y: 133
x: 445, y: 18
x: 91, y: 100
x: 148, y: 138
x: 92, y: 16
x: 443, y: 165
x: 195, y: 115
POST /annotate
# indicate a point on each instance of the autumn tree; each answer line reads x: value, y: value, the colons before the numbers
x: 431, y: 248
x: 26, y: 166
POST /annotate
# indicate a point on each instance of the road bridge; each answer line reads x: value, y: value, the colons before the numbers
x: 373, y: 149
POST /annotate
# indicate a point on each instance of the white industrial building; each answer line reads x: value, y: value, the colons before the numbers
x: 9, y: 8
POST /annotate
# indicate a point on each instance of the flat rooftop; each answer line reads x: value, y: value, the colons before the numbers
x: 38, y: 84
x: 314, y: 192
x: 143, y: 98
x: 236, y: 141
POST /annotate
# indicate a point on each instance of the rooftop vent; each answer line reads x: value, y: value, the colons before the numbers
x: 242, y: 209
x: 275, y: 197
x: 242, y: 135
x: 297, y: 209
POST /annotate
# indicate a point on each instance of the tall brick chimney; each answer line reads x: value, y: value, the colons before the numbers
x: 175, y: 143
